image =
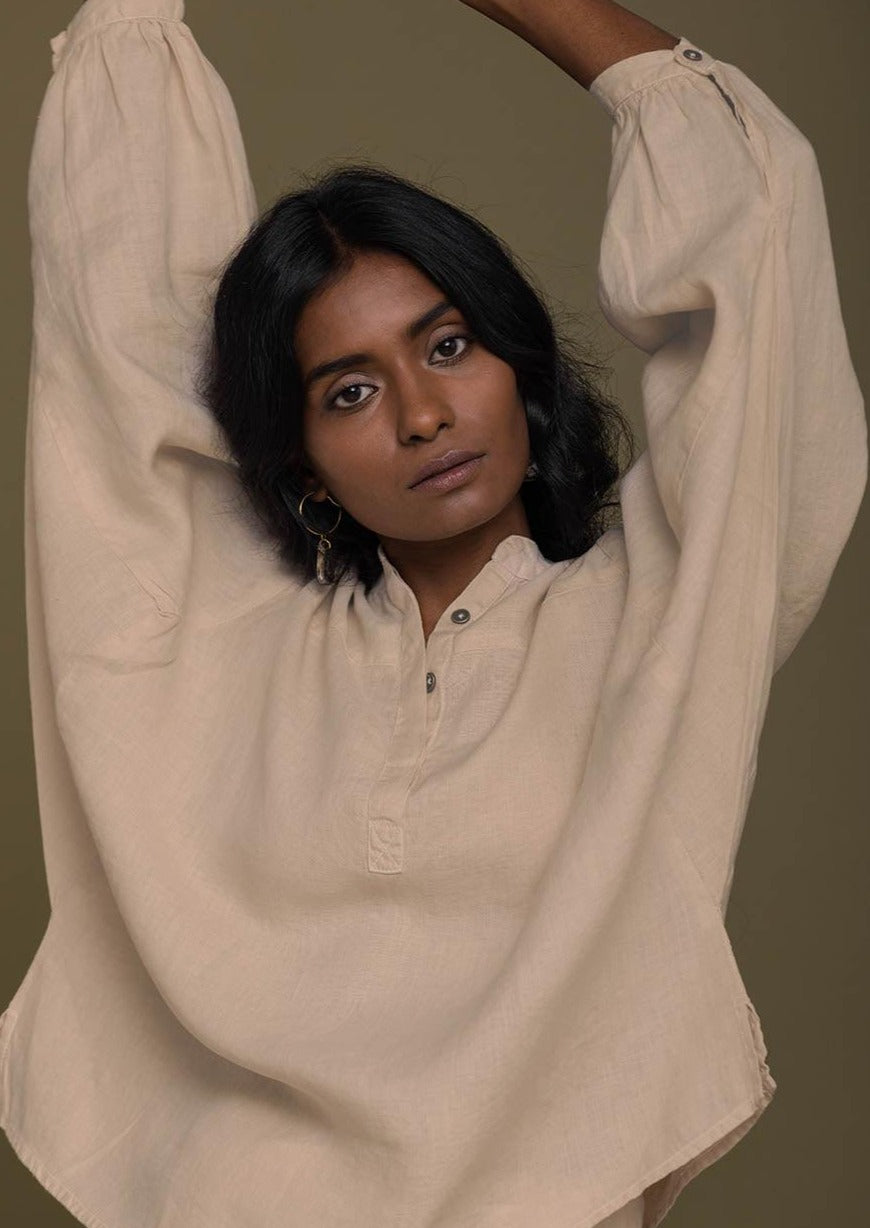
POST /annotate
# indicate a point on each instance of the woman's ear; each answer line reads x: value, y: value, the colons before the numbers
x: 313, y: 485
x: 310, y: 481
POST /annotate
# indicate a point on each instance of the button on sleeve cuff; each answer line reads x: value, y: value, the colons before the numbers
x: 618, y: 81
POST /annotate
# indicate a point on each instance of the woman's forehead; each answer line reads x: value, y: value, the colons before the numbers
x: 380, y: 292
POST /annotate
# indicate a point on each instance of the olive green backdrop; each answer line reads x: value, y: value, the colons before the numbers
x: 439, y: 93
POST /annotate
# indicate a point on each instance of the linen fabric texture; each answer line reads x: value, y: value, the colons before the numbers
x: 327, y: 947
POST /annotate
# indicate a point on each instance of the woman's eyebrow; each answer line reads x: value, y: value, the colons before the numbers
x: 353, y: 360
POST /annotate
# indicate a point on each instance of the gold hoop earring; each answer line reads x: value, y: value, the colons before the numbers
x: 324, y: 544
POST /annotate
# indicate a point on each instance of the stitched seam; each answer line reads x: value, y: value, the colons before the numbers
x: 730, y: 101
x: 757, y: 156
x: 8, y: 1020
x: 685, y: 73
x: 46, y: 1177
x: 116, y: 21
x: 74, y: 40
x: 688, y: 75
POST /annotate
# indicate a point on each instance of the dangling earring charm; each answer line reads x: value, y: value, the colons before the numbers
x: 324, y: 544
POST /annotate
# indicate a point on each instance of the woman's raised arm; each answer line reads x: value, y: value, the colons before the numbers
x: 716, y: 261
x: 138, y: 191
x: 583, y: 37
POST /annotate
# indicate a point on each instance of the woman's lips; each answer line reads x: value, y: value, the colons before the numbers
x: 449, y: 478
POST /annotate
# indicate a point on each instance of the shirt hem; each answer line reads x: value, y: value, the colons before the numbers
x: 676, y: 1172
x: 705, y: 1149
x: 47, y: 1179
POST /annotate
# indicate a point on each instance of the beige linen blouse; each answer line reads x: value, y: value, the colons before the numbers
x: 349, y: 929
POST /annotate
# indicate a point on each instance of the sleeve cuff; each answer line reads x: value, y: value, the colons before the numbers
x: 617, y: 82
x: 94, y: 13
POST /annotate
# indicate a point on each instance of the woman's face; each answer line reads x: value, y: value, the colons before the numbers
x: 369, y: 427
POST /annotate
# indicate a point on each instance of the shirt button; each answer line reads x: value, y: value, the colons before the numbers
x: 430, y: 683
x: 460, y: 616
x: 691, y: 54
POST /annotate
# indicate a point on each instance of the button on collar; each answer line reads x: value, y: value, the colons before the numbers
x: 515, y: 559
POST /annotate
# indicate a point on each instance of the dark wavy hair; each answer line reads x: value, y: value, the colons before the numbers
x: 250, y: 380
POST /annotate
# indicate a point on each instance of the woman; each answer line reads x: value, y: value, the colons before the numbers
x: 389, y: 830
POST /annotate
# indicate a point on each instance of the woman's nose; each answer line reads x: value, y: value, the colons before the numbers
x: 422, y: 408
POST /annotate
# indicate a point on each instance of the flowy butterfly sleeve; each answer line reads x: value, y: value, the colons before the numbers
x: 138, y: 191
x: 716, y: 261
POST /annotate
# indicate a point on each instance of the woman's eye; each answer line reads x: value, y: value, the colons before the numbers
x: 455, y: 337
x: 446, y: 360
x: 332, y: 401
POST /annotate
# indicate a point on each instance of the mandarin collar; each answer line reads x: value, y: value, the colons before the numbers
x: 515, y: 558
